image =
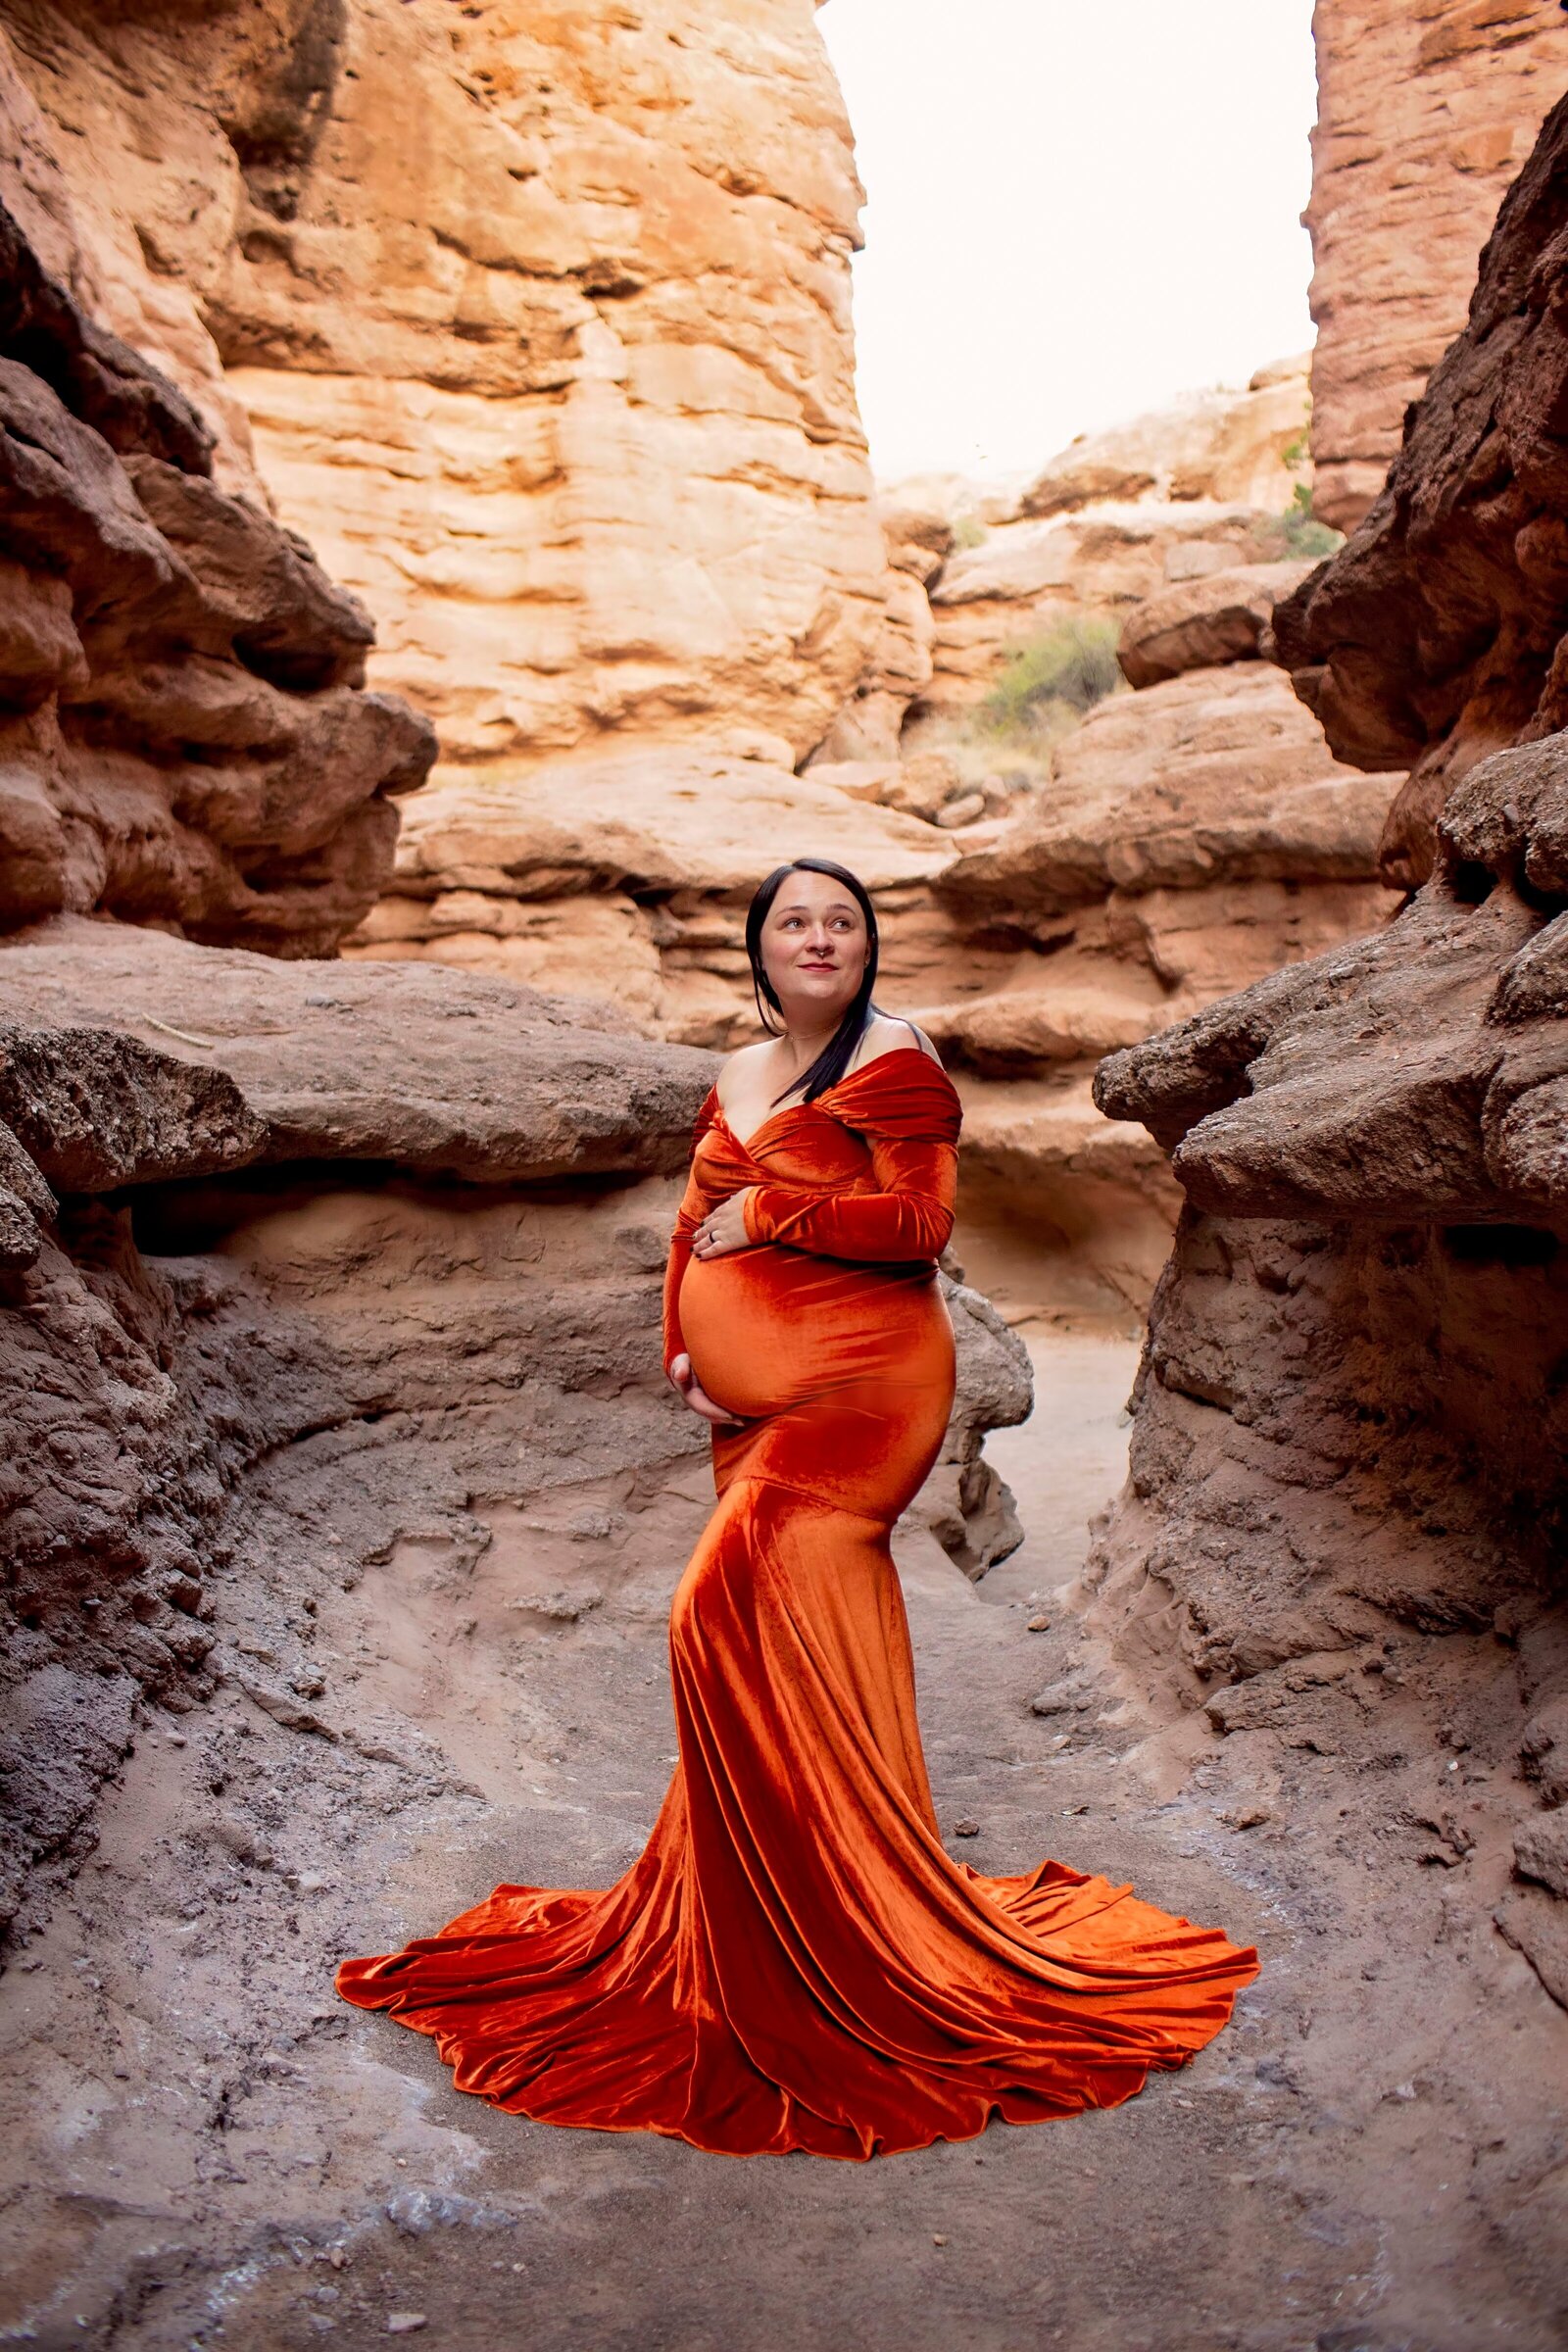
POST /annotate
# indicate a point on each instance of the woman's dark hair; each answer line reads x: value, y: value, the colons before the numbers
x: 839, y: 1051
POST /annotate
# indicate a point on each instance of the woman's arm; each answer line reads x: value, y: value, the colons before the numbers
x: 687, y: 1218
x: 908, y: 1216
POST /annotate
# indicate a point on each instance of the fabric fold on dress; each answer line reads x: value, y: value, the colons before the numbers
x: 795, y: 1962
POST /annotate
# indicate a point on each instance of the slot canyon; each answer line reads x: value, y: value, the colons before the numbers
x: 441, y: 570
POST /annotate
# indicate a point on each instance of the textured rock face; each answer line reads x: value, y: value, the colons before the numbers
x: 1434, y: 637
x: 1222, y: 445
x: 150, y: 1359
x: 540, y: 322
x: 392, y: 1232
x: 1195, y: 489
x: 184, y: 735
x: 1425, y: 114
x: 1205, y: 623
x: 440, y: 1073
x: 1350, y: 1419
x: 630, y: 874
x: 1194, y: 834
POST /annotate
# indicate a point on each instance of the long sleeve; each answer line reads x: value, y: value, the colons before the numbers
x: 908, y: 1216
x: 687, y: 1219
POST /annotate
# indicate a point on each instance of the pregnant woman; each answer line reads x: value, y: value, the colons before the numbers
x: 795, y: 1962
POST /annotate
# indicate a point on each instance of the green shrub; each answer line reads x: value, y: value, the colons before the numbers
x: 1298, y: 530
x: 968, y: 530
x: 1303, y: 534
x: 1064, y: 671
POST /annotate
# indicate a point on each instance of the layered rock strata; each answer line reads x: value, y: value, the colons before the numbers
x: 1434, y: 637
x: 630, y: 876
x: 184, y: 734
x: 539, y: 323
x: 1198, y: 488
x: 1192, y: 832
x: 1349, y: 1445
x: 1425, y: 114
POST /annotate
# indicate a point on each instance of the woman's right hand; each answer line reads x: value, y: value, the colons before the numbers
x: 687, y: 1386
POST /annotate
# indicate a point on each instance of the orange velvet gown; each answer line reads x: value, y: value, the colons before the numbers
x: 795, y: 1962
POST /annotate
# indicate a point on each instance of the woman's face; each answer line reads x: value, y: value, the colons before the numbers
x: 815, y: 948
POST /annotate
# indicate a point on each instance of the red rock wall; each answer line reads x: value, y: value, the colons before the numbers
x: 540, y: 318
x: 1426, y: 111
x: 184, y: 738
x: 1436, y: 635
x: 1351, y: 1439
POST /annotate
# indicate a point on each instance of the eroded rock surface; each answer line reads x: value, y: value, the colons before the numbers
x: 1425, y: 114
x: 184, y: 735
x: 391, y: 1232
x: 1432, y: 639
x: 441, y: 1073
x: 1192, y: 832
x: 1350, y: 1419
x: 188, y: 1306
x: 629, y: 875
x: 1196, y: 489
x: 539, y: 323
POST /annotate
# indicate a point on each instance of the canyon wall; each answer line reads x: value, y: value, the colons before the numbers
x: 1425, y: 114
x: 537, y: 320
x: 185, y: 736
x: 1199, y: 486
x: 1349, y: 1448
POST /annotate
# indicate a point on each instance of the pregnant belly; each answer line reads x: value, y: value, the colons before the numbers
x: 767, y: 1329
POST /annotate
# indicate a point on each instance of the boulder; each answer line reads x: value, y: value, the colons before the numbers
x: 1223, y: 444
x: 1211, y: 776
x: 440, y: 1072
x: 1205, y: 621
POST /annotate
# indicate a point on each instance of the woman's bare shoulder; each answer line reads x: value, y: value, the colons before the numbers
x: 735, y: 1068
x: 889, y: 1034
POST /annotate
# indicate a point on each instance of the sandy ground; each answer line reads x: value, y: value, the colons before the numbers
x: 205, y: 2148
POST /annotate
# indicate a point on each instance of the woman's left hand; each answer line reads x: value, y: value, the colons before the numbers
x: 723, y: 1229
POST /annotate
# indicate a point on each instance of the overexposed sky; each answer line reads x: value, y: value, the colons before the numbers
x: 1074, y: 208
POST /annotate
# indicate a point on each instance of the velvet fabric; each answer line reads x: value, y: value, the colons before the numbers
x: 795, y: 1962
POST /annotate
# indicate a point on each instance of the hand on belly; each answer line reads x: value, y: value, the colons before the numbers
x: 690, y: 1389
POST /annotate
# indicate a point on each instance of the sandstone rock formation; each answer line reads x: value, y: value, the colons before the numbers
x: 184, y: 735
x: 1198, y: 488
x: 1425, y: 114
x: 629, y: 875
x: 1192, y: 832
x: 266, y: 1225
x: 1432, y: 639
x: 539, y: 323
x: 1350, y: 1421
x: 1204, y: 622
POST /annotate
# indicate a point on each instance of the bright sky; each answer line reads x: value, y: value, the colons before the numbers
x: 1074, y: 208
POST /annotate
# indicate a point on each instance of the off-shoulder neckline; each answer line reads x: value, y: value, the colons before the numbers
x: 787, y: 1110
